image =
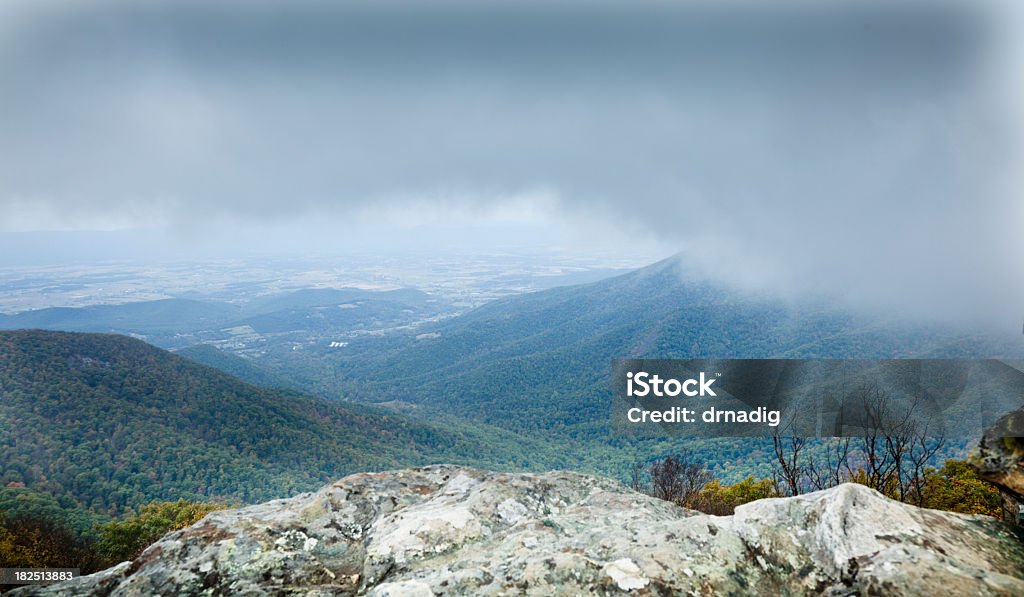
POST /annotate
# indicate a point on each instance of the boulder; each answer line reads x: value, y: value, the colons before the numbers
x: 447, y: 530
x: 999, y: 457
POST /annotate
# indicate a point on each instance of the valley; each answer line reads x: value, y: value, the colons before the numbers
x: 343, y: 379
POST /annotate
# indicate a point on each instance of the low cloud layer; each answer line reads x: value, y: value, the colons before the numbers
x: 855, y: 149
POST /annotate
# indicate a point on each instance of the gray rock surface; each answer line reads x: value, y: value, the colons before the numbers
x: 999, y: 456
x: 458, y: 531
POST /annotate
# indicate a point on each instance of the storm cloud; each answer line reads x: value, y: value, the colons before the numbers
x: 859, y: 149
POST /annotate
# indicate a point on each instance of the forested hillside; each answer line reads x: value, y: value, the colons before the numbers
x: 541, y: 361
x: 236, y: 366
x: 106, y: 422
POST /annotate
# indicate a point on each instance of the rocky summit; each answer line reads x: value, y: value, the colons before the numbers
x: 447, y: 530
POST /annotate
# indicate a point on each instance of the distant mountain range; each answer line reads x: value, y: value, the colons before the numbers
x: 107, y: 422
x: 179, y: 322
x: 166, y: 316
x: 541, y: 361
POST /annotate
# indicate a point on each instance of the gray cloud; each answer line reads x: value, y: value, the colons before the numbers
x: 853, y: 148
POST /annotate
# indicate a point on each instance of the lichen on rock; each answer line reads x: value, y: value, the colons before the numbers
x: 446, y: 530
x: 999, y: 456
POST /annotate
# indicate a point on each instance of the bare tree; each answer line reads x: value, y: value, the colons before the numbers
x: 902, y: 433
x: 696, y: 477
x: 882, y: 450
x: 789, y: 468
x: 922, y: 448
x: 636, y: 477
x: 678, y: 479
x: 896, y: 444
x: 834, y: 468
x: 890, y: 455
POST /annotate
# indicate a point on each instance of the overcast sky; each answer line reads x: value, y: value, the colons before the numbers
x: 864, y: 151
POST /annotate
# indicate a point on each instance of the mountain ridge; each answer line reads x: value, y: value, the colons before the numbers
x: 544, y: 357
x: 107, y: 422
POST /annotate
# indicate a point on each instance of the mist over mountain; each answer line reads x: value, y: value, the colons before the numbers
x: 542, y: 361
x: 866, y: 150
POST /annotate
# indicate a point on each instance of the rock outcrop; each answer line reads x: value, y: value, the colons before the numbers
x: 456, y: 531
x: 1000, y: 455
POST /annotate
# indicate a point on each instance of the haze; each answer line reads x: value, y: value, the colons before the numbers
x: 855, y: 150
